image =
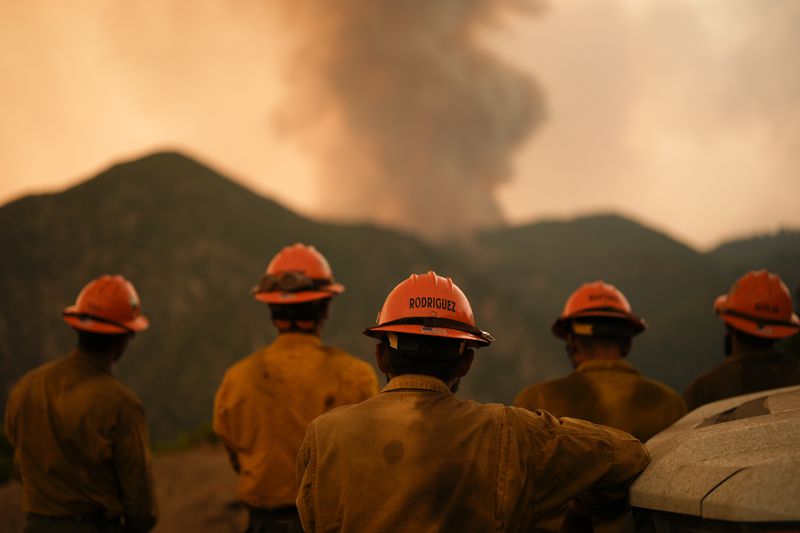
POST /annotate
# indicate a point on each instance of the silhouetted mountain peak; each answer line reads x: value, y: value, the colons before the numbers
x: 171, y: 176
x: 611, y: 228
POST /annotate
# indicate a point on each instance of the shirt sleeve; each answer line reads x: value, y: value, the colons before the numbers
x: 306, y: 475
x: 221, y: 424
x: 133, y: 466
x: 591, y: 465
x: 697, y: 394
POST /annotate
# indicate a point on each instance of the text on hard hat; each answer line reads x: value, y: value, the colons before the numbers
x: 421, y: 302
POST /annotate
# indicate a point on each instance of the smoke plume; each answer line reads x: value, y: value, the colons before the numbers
x: 410, y: 121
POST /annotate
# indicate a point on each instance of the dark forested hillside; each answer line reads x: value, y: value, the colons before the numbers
x: 667, y: 283
x: 779, y: 253
x: 194, y: 243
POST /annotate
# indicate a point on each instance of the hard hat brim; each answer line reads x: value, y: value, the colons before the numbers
x: 721, y: 304
x: 416, y: 329
x: 560, y: 327
x: 297, y: 297
x: 761, y: 329
x: 72, y: 317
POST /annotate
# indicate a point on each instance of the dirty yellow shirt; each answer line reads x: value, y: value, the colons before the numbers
x: 80, y: 442
x: 267, y: 400
x: 751, y: 371
x: 417, y: 458
x: 608, y: 392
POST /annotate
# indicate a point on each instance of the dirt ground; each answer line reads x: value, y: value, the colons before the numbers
x: 195, y: 491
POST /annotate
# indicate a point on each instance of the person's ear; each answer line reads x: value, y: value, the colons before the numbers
x: 571, y: 348
x: 625, y: 347
x: 119, y: 348
x: 727, y: 343
x: 281, y: 325
x: 382, y: 358
x: 465, y: 363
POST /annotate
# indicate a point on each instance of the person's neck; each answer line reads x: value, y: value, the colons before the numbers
x: 314, y: 332
x: 740, y: 349
x: 103, y: 360
x: 596, y: 355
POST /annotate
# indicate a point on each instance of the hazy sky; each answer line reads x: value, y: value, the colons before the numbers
x: 681, y: 113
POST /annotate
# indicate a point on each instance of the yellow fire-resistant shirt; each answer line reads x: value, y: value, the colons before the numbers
x: 417, y: 458
x: 608, y: 392
x: 80, y: 442
x: 267, y: 400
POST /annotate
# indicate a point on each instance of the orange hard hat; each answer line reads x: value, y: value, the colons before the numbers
x: 596, y: 300
x: 430, y: 305
x: 108, y: 304
x: 759, y: 304
x: 297, y: 274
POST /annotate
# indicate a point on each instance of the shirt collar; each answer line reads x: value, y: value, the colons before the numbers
x: 599, y: 365
x: 416, y: 382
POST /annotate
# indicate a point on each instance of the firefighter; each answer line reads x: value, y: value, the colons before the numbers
x: 80, y: 439
x: 598, y: 327
x: 418, y: 458
x: 757, y: 312
x: 266, y: 400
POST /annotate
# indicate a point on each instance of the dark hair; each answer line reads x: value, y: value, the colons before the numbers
x: 623, y: 345
x: 313, y: 311
x: 751, y: 340
x: 100, y: 342
x: 609, y: 328
x: 419, y: 354
x: 608, y: 332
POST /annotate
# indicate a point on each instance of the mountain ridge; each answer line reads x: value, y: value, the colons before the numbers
x: 194, y: 242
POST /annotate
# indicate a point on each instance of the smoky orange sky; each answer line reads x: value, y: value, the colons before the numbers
x: 680, y: 113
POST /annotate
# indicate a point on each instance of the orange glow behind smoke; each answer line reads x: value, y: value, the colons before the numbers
x: 90, y: 82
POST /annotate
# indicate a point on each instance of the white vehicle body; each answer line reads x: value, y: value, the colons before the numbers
x: 732, y: 465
